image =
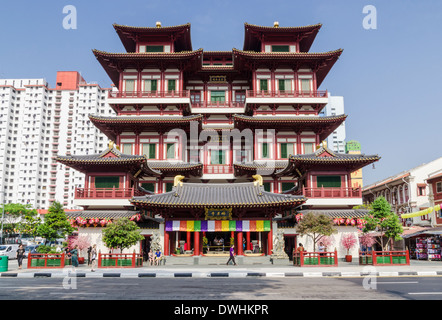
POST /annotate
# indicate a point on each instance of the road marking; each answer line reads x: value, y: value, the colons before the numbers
x: 399, y: 282
x: 426, y: 293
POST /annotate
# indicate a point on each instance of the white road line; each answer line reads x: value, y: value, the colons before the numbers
x: 393, y: 282
x: 425, y: 293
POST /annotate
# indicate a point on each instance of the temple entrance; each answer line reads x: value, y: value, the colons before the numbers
x: 145, y: 247
x: 289, y: 244
x: 217, y: 242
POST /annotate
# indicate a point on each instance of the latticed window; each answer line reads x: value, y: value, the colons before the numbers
x: 218, y: 157
x: 263, y: 84
x: 150, y: 85
x: 279, y: 48
x: 149, y: 186
x: 171, y: 85
x: 154, y: 48
x: 286, y: 150
x: 170, y: 151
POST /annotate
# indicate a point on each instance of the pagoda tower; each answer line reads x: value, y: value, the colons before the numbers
x: 211, y: 145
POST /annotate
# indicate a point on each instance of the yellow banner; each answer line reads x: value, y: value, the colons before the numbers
x: 420, y: 213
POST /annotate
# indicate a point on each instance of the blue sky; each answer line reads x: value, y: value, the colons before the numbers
x: 390, y: 77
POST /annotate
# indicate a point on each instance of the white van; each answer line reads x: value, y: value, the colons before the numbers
x: 9, y: 250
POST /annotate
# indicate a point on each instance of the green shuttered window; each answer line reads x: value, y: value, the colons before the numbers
x: 107, y: 182
x: 328, y: 181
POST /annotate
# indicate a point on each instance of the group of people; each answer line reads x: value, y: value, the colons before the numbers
x: 154, y: 258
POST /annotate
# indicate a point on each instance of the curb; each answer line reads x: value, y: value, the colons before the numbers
x: 219, y: 274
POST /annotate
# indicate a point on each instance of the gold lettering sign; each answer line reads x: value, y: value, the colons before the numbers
x: 218, y: 214
x: 217, y: 79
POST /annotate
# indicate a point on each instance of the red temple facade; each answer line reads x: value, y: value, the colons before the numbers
x: 212, y: 145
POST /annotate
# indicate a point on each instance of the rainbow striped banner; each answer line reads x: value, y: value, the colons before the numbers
x: 219, y: 225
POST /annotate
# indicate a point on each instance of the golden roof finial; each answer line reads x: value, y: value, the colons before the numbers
x: 178, y: 180
x: 111, y: 145
x: 258, y: 180
x: 324, y: 144
x: 276, y: 24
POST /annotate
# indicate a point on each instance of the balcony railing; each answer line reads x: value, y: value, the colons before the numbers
x: 286, y: 94
x: 332, y: 192
x: 149, y: 94
x: 218, y: 169
x: 107, y: 193
x: 220, y: 104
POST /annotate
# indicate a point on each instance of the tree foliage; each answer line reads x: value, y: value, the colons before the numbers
x: 315, y: 227
x: 122, y: 233
x: 381, y: 218
x: 55, y: 223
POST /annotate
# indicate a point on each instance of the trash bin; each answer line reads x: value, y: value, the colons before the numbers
x: 3, y: 263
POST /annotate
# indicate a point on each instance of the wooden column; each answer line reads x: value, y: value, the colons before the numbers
x: 270, y: 242
x: 188, y: 240
x: 196, y: 244
x: 166, y: 243
x: 240, y: 250
x: 248, y: 240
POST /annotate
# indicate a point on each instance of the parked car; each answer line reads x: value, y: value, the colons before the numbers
x: 9, y: 250
x: 30, y: 249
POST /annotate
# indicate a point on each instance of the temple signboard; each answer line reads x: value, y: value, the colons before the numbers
x: 218, y: 213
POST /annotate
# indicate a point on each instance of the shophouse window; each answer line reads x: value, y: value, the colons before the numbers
x: 439, y: 187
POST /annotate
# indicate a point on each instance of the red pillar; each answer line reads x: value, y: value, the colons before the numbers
x: 166, y: 243
x: 196, y: 243
x: 240, y: 250
x: 270, y: 242
x: 188, y: 241
x: 248, y: 240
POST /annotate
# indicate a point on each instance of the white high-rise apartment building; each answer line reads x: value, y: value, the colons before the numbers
x: 335, y: 106
x: 36, y: 124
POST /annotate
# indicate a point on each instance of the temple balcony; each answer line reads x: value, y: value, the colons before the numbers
x: 286, y: 97
x: 218, y: 107
x: 149, y: 97
x: 332, y: 196
x: 102, y: 197
x: 218, y: 171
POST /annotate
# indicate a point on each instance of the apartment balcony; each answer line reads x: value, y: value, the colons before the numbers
x: 150, y: 97
x: 105, y: 196
x: 218, y: 107
x: 332, y: 196
x: 288, y: 97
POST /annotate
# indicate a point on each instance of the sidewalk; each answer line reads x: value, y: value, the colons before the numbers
x: 179, y: 268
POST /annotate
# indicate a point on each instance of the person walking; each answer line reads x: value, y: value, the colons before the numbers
x: 93, y: 257
x: 20, y: 255
x: 74, y: 253
x: 89, y: 261
x: 232, y: 255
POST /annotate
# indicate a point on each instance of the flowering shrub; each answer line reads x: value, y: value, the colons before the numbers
x: 348, y: 241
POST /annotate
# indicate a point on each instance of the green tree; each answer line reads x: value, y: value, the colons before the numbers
x: 316, y: 226
x: 55, y: 223
x: 29, y: 223
x: 381, y: 218
x: 16, y: 215
x: 122, y: 233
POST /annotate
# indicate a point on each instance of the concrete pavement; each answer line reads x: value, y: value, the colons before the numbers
x: 257, y: 267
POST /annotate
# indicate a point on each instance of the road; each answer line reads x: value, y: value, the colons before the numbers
x: 256, y: 289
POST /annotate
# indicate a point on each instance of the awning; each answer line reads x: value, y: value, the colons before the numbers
x: 421, y: 213
x: 431, y: 231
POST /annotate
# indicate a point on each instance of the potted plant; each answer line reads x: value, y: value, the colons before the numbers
x: 348, y: 241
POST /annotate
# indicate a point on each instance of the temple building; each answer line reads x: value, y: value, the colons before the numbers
x: 213, y: 148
